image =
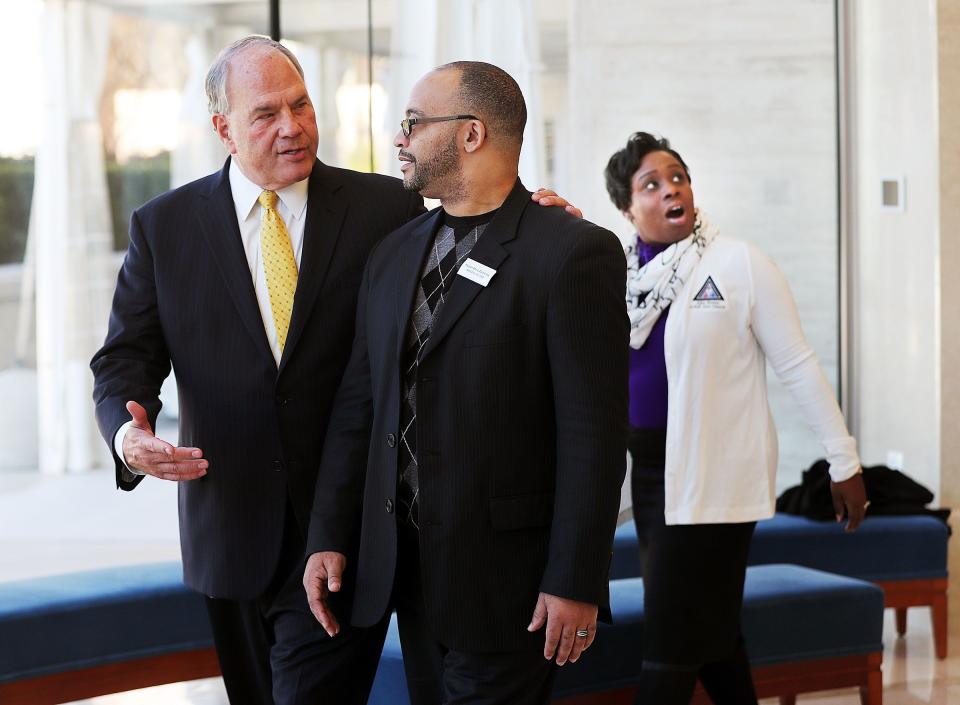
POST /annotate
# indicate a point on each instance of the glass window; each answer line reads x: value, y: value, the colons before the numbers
x: 19, y: 130
x: 746, y: 95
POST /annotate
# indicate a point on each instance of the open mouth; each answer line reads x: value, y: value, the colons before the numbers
x: 676, y: 213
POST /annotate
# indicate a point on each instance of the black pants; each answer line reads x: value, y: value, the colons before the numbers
x: 693, y: 593
x: 437, y: 675
x: 273, y: 650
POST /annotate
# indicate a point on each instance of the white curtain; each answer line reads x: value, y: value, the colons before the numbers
x: 198, y: 151
x: 501, y: 32
x: 70, y: 220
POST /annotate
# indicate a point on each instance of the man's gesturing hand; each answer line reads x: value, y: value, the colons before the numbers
x: 564, y: 618
x: 323, y: 575
x: 145, y: 452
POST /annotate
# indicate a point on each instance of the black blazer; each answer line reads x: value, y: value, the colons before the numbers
x: 521, y: 423
x: 185, y: 296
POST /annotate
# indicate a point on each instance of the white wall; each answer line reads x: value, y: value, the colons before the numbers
x: 10, y: 275
x: 896, y: 255
x: 745, y: 90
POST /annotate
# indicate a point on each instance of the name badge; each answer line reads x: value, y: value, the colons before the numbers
x: 476, y: 272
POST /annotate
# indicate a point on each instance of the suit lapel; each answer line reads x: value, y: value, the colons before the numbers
x: 409, y: 263
x: 490, y: 251
x: 218, y: 221
x: 321, y: 232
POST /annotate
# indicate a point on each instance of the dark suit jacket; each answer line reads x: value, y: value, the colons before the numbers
x: 521, y: 426
x: 185, y: 295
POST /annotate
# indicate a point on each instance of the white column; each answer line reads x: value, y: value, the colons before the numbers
x: 505, y: 33
x: 501, y: 32
x: 73, y: 235
x: 413, y: 51
x: 896, y: 326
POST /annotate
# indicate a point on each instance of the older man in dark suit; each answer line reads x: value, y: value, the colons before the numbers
x: 246, y: 281
x: 481, y: 423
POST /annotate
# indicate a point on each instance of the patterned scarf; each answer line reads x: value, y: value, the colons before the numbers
x: 653, y: 287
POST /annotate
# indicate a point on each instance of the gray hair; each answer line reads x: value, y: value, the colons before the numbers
x: 216, y: 81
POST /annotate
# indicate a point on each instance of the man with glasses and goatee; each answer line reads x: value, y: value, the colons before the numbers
x: 476, y: 449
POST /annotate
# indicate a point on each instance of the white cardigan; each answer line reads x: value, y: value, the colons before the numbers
x: 721, y: 453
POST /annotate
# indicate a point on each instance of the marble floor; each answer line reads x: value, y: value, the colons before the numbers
x: 52, y: 525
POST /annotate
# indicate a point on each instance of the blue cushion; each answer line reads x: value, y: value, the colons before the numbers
x: 883, y: 548
x: 80, y: 620
x: 626, y: 557
x: 390, y: 683
x: 790, y: 614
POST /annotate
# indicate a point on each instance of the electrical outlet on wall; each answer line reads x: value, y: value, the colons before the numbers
x: 893, y: 194
x: 895, y: 460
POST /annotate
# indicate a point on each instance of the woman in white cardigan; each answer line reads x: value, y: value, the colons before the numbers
x: 707, y: 313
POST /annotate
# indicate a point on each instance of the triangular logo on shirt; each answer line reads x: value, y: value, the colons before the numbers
x: 708, y: 292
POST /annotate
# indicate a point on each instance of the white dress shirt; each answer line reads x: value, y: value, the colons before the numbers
x: 292, y: 207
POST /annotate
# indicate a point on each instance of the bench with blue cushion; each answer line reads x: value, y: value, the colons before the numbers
x: 77, y: 636
x: 806, y: 630
x: 905, y: 555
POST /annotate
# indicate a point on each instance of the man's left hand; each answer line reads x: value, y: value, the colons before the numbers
x: 850, y: 497
x: 323, y: 575
x: 548, y: 197
x: 564, y: 618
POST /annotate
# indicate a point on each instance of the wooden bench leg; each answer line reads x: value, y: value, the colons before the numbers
x: 872, y: 692
x: 901, y: 621
x: 901, y: 594
x: 938, y: 615
x: 788, y: 700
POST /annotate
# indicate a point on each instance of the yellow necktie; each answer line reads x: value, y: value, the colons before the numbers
x: 279, y: 265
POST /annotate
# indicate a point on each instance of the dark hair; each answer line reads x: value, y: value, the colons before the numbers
x: 492, y: 95
x: 625, y: 162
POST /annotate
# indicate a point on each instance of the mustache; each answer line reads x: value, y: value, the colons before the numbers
x: 406, y: 155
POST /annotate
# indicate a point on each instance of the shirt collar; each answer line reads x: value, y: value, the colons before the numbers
x: 246, y: 193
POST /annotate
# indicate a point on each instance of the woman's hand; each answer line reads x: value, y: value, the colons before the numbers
x: 850, y: 497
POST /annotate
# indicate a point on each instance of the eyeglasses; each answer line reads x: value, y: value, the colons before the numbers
x: 407, y: 125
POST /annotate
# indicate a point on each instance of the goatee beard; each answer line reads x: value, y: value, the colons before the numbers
x: 438, y: 167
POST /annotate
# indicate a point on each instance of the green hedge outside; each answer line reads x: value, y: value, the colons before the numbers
x: 130, y: 185
x: 16, y: 191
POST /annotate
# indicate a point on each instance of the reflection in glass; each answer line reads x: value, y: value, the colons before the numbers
x: 748, y: 94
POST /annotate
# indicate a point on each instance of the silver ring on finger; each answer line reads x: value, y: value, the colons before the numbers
x: 583, y: 633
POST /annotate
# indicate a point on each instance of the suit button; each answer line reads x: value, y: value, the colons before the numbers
x: 391, y: 440
x: 388, y: 505
x: 277, y: 466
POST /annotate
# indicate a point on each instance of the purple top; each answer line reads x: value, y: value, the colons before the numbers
x: 648, y: 369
